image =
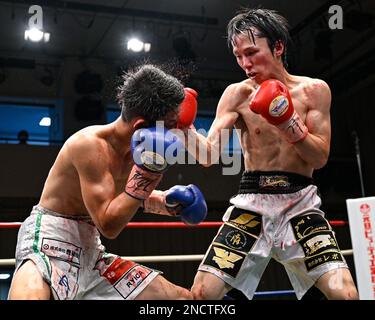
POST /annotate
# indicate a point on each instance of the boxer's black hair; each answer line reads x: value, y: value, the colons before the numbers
x: 267, y: 24
x: 149, y: 92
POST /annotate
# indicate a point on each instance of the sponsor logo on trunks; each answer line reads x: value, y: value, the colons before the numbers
x: 113, y: 269
x: 125, y: 276
x: 246, y: 221
x: 104, y: 262
x: 314, y: 234
x: 225, y: 260
x: 320, y: 248
x: 136, y: 276
x: 305, y: 225
x: 273, y: 182
x: 61, y: 250
x: 64, y: 281
x: 317, y: 243
x: 132, y: 280
x: 236, y: 239
x: 231, y: 237
x: 325, y: 257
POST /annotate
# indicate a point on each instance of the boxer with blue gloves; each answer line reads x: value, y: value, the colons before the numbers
x: 101, y: 177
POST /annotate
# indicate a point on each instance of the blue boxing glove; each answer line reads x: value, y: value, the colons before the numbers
x: 188, y: 202
x: 154, y: 150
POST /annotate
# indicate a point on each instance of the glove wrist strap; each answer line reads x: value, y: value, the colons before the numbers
x: 156, y: 204
x: 294, y: 129
x: 141, y: 182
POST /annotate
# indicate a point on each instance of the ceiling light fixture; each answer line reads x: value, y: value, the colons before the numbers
x: 36, y: 35
x: 136, y: 45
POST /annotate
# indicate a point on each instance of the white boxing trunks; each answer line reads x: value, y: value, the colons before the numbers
x: 275, y: 215
x: 68, y: 253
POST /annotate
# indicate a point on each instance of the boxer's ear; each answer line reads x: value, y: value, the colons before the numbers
x: 278, y: 49
x: 139, y: 123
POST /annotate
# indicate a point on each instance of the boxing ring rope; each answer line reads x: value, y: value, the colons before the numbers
x: 146, y: 225
x: 164, y: 258
x: 173, y: 258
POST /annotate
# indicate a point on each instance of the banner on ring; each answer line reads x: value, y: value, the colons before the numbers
x: 361, y: 213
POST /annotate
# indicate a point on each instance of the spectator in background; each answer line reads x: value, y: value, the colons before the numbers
x: 23, y: 137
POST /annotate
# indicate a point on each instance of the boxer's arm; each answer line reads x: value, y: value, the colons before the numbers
x: 155, y: 204
x: 207, y: 149
x: 315, y: 148
x: 109, y: 212
x: 187, y: 202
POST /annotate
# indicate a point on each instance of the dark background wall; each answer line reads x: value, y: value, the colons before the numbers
x: 89, y: 35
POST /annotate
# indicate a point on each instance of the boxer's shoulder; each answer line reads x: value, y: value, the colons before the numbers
x: 238, y: 93
x: 88, y: 141
x: 243, y: 88
x: 309, y: 85
x: 316, y: 90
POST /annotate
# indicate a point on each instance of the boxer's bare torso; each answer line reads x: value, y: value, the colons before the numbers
x: 262, y: 145
x: 99, y: 148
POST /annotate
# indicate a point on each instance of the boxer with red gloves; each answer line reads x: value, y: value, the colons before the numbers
x: 276, y: 212
x: 273, y: 102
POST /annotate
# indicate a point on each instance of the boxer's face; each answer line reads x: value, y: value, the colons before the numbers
x: 255, y: 58
x: 170, y: 120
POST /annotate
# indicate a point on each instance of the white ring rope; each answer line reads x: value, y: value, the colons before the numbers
x: 165, y: 258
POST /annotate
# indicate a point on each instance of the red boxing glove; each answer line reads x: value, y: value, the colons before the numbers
x: 188, y: 109
x: 273, y: 102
